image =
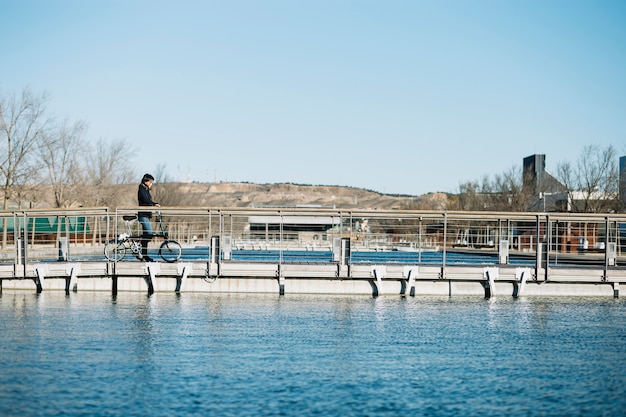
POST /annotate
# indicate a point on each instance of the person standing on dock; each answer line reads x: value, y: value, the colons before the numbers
x: 145, y: 199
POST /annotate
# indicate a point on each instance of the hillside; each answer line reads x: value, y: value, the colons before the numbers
x: 264, y: 195
x: 229, y: 194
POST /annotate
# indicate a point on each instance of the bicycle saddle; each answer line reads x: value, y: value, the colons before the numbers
x: 129, y: 218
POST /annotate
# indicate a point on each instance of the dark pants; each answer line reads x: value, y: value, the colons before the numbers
x: 148, y: 233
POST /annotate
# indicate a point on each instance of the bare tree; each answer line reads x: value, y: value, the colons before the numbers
x: 108, y: 164
x: 27, y: 195
x: 160, y: 173
x: 22, y: 122
x: 509, y: 190
x: 470, y: 196
x: 505, y: 192
x: 167, y: 192
x: 62, y: 150
x: 592, y: 184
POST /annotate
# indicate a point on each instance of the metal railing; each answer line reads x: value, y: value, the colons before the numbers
x: 348, y: 236
x: 35, y: 235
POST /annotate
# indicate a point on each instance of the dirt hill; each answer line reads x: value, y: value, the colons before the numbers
x: 229, y: 194
x: 272, y: 195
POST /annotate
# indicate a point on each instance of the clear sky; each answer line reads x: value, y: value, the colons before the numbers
x: 395, y: 96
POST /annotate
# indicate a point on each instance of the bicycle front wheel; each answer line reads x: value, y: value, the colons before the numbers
x: 114, y: 251
x: 170, y: 251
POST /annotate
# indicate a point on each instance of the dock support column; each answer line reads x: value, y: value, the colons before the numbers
x: 281, y: 286
x: 111, y: 269
x: 153, y: 269
x: 410, y: 272
x: 281, y: 281
x: 208, y: 275
x: 41, y: 271
x: 72, y: 270
x: 212, y: 272
x: 114, y: 285
x: 616, y: 289
x: 521, y: 274
x: 183, y: 270
x: 378, y: 272
x: 490, y: 286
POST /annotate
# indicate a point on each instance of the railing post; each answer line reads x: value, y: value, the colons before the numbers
x: 345, y: 251
x: 281, y: 237
x: 20, y: 238
x: 503, y: 251
x: 215, y: 249
x: 547, y: 248
x: 445, y: 242
x: 419, y: 242
x: 609, y: 251
x: 63, y: 245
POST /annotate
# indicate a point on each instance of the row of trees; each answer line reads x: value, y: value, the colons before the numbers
x: 39, y: 150
x: 589, y: 185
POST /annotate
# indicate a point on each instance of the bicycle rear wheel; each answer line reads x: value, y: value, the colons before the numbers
x: 114, y: 251
x: 170, y: 251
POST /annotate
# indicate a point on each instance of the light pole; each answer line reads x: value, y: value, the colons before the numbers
x: 542, y: 195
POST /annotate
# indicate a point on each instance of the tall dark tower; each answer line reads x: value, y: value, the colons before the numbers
x: 534, y: 172
x: 622, y: 181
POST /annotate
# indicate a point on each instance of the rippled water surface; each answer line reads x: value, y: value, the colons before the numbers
x: 262, y: 355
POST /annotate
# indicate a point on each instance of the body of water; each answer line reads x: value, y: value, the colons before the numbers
x: 169, y: 355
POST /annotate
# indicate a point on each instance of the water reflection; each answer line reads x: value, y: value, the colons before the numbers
x: 142, y: 330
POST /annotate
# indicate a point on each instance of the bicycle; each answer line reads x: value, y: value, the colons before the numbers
x: 115, y: 249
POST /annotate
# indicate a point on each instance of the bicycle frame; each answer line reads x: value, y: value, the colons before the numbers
x: 115, y: 250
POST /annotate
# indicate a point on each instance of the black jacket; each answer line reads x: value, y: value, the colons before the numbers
x: 145, y: 199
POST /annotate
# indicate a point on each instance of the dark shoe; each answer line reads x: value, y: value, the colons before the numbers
x: 146, y: 258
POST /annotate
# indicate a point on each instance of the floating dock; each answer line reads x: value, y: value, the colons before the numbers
x: 506, y: 254
x: 307, y: 278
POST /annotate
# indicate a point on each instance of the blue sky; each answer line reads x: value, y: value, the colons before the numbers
x: 395, y: 96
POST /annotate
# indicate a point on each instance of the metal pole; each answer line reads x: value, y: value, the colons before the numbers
x: 443, y: 256
x: 419, y: 242
x: 606, y: 249
x: 538, y: 248
x: 549, y: 240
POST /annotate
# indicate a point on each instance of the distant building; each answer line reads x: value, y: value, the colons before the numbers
x: 304, y: 228
x: 548, y: 192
